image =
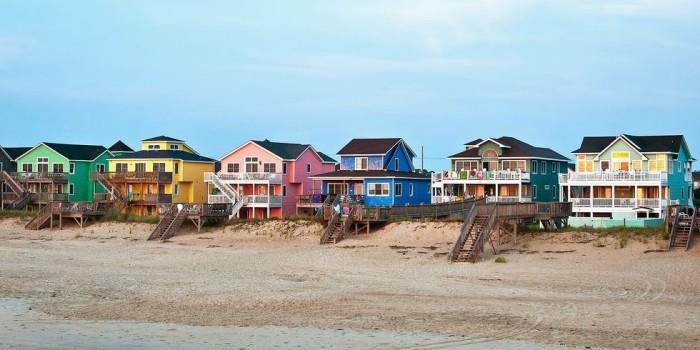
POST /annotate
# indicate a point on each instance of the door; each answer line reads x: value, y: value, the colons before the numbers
x: 359, y: 188
x: 140, y: 169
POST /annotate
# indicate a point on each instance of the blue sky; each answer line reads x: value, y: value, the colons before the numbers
x: 437, y: 73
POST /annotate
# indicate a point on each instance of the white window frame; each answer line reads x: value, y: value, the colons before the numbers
x: 554, y: 192
x: 535, y: 166
x: 372, y: 187
x: 546, y: 187
x: 554, y: 168
x: 28, y: 165
x: 358, y: 160
x: 253, y: 162
x: 398, y: 189
x: 284, y: 168
x: 153, y: 147
x: 271, y: 168
x: 410, y: 189
x: 534, y: 191
x: 100, y: 168
x: 71, y: 168
x: 118, y: 166
x: 174, y: 147
x: 54, y: 165
x: 396, y: 164
x: 544, y: 167
x: 71, y: 189
x: 40, y: 161
x: 308, y: 168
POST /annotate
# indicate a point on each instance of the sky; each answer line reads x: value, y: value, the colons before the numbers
x: 437, y: 73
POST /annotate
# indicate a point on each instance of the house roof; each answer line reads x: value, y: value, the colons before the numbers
x: 369, y: 146
x: 372, y: 173
x: 326, y: 158
x: 516, y: 149
x: 165, y: 154
x: 162, y: 138
x: 120, y: 146
x: 644, y: 144
x: 76, y: 152
x: 696, y: 176
x: 290, y: 151
x: 15, y: 152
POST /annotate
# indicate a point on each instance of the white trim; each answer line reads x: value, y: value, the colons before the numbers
x: 516, y: 158
x: 157, y: 159
x: 71, y: 189
x: 400, y: 187
x: 388, y: 189
x: 246, y: 144
x: 39, y: 144
x: 487, y: 140
x: 629, y: 143
x: 69, y: 168
x: 8, y: 156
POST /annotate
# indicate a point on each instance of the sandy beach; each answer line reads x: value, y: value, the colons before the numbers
x: 391, y: 288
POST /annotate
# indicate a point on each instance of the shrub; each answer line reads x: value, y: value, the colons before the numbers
x: 15, y: 214
x: 501, y: 260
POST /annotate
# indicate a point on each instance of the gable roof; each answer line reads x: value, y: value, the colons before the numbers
x: 120, y: 146
x: 286, y: 151
x: 644, y: 144
x: 166, y: 154
x: 373, y: 174
x: 326, y: 158
x: 372, y: 146
x: 15, y: 152
x: 514, y: 149
x: 162, y: 138
x: 73, y: 151
x: 696, y: 175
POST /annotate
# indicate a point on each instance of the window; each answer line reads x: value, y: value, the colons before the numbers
x: 27, y: 168
x: 620, y: 161
x: 122, y: 167
x: 398, y: 190
x: 583, y: 165
x: 153, y: 147
x: 657, y: 163
x: 410, y: 189
x: 513, y: 165
x: 176, y: 189
x: 284, y: 191
x: 176, y: 166
x: 284, y: 168
x: 337, y: 188
x: 534, y: 191
x: 71, y: 168
x: 396, y: 164
x: 554, y: 167
x: 378, y: 189
x: 534, y: 167
x: 251, y: 164
x: 233, y: 167
x: 71, y: 189
x: 42, y: 165
x: 158, y: 167
x: 58, y: 168
x: 637, y: 165
x: 604, y: 165
x: 361, y: 163
x: 546, y: 187
x: 174, y: 147
x: 270, y: 168
x: 308, y: 168
x: 100, y: 168
x: 229, y: 167
x: 544, y: 167
x: 466, y: 165
x: 554, y: 192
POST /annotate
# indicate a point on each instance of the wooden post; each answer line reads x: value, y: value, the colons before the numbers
x: 515, y: 232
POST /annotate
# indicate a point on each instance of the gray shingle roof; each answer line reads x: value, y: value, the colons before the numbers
x: 15, y: 152
x: 374, y: 173
x: 162, y: 138
x: 289, y: 150
x: 369, y: 146
x: 516, y: 149
x: 652, y: 143
x: 77, y: 152
x: 120, y: 146
x: 166, y: 154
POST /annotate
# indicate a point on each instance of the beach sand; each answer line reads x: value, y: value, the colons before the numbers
x: 557, y: 289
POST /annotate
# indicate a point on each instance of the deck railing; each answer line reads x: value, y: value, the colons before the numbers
x: 613, y: 176
x: 481, y: 175
x: 618, y: 203
x: 311, y: 199
x: 134, y: 176
x: 48, y: 197
x: 40, y: 177
x: 150, y: 197
x: 266, y: 177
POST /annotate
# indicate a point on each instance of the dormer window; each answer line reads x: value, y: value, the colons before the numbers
x: 174, y: 147
x: 153, y: 147
x: 361, y: 163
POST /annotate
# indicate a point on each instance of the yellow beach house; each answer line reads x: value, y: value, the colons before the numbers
x: 165, y: 171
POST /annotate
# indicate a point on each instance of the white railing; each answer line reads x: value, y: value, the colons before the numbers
x: 218, y: 199
x: 264, y: 199
x: 688, y: 176
x: 498, y: 175
x: 267, y: 177
x: 613, y: 176
x: 501, y: 199
x: 617, y: 202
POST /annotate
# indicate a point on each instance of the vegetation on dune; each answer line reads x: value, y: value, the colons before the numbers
x: 15, y: 214
x: 501, y: 260
x: 126, y: 217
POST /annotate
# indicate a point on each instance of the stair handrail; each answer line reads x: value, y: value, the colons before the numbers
x: 159, y: 228
x: 42, y: 214
x: 692, y: 228
x: 227, y: 190
x: 330, y: 227
x: 674, y: 227
x: 177, y: 220
x: 16, y: 187
x: 348, y: 222
x: 326, y: 201
x: 485, y: 232
x: 469, y: 217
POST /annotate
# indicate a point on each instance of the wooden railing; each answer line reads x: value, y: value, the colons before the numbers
x: 133, y: 176
x: 40, y: 177
x: 196, y: 209
x: 469, y: 218
x: 48, y: 197
x: 311, y: 199
x: 153, y: 198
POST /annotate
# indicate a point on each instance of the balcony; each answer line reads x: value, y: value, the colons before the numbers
x: 44, y: 197
x: 499, y: 199
x: 272, y: 178
x: 253, y: 201
x: 481, y: 176
x: 149, y: 198
x: 617, y: 203
x: 41, y: 177
x: 159, y: 177
x: 613, y: 176
x: 311, y: 200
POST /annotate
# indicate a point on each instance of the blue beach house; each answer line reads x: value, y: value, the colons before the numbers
x: 379, y: 172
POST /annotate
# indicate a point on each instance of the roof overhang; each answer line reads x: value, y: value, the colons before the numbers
x: 627, y: 141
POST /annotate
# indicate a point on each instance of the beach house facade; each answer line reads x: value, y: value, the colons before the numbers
x: 57, y: 172
x: 377, y: 172
x: 502, y: 169
x: 628, y: 180
x: 266, y: 179
x: 164, y: 171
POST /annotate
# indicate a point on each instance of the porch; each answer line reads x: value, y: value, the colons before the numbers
x: 616, y: 198
x: 502, y: 193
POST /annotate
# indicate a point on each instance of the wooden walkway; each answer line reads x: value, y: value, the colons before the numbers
x: 81, y: 212
x: 172, y: 216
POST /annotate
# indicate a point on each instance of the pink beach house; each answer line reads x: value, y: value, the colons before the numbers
x: 265, y: 179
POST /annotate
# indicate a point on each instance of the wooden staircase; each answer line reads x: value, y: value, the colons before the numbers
x: 338, y: 225
x: 229, y: 192
x: 682, y: 231
x: 119, y: 201
x: 22, y: 194
x: 169, y: 223
x: 473, y: 234
x: 41, y: 218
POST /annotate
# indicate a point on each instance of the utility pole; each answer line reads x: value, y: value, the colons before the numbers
x: 422, y: 159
